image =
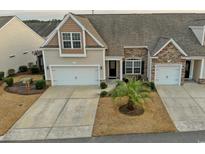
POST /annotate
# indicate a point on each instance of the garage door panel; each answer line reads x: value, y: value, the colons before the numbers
x: 75, y: 75
x: 167, y: 74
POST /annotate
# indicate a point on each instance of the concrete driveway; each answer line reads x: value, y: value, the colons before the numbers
x: 185, y: 105
x: 61, y: 112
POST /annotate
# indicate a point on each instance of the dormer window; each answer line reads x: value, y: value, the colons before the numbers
x: 71, y: 40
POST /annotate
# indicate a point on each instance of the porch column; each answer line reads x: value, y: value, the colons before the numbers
x: 202, y: 69
x: 120, y: 69
x: 191, y: 70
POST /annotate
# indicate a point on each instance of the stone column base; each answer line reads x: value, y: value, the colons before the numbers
x: 201, y: 81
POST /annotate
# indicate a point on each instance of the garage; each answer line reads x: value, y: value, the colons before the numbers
x: 75, y: 74
x: 168, y: 74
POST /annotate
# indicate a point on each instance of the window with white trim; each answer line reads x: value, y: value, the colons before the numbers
x: 133, y: 66
x: 71, y: 40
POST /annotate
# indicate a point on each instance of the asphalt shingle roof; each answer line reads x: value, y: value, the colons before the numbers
x: 119, y: 30
x: 86, y: 23
x: 4, y: 20
x: 43, y: 28
x: 160, y: 43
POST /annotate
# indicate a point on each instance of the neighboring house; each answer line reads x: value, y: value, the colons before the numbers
x: 17, y: 42
x: 165, y: 48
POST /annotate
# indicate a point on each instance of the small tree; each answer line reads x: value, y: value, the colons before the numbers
x: 134, y: 90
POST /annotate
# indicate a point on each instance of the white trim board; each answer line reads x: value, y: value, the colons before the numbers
x: 7, y: 23
x: 113, y: 58
x: 175, y: 44
x: 44, y: 65
x: 136, y: 47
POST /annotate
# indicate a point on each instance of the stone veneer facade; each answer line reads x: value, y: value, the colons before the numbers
x: 201, y: 81
x: 138, y: 52
x: 169, y: 55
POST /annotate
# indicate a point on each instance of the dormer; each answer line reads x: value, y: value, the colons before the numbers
x: 199, y: 32
x: 73, y: 35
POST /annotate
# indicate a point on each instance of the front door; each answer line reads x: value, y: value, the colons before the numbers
x: 112, y: 69
x: 187, y: 68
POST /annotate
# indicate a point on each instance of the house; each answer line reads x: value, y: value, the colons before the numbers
x: 165, y: 48
x: 17, y: 41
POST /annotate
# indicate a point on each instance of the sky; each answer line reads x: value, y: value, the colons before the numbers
x: 47, y: 15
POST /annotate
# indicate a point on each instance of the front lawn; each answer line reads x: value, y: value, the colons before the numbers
x: 110, y: 121
x: 13, y: 106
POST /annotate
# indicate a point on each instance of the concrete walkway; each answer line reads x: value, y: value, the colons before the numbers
x: 61, y: 112
x: 185, y: 105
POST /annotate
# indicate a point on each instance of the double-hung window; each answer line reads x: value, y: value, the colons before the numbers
x: 71, y: 40
x: 133, y: 66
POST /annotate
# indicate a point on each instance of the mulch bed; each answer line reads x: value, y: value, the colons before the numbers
x: 110, y: 121
x: 1, y: 82
x: 12, y: 107
x: 21, y: 90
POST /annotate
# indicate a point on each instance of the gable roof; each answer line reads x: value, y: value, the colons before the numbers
x: 83, y: 23
x: 86, y: 23
x: 163, y: 42
x: 119, y: 30
x: 4, y: 20
x: 199, y: 32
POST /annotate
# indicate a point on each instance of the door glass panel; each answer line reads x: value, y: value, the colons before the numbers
x: 112, y: 65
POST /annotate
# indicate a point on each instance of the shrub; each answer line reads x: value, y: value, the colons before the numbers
x: 138, y: 77
x: 152, y: 86
x: 40, y: 84
x: 23, y: 68
x: 103, y: 85
x: 30, y: 65
x: 34, y: 69
x: 103, y: 93
x: 9, y: 81
x: 1, y: 75
x: 11, y: 72
x: 125, y: 80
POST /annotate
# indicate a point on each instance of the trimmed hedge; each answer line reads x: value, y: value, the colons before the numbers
x: 9, y: 81
x: 40, y: 84
x: 1, y: 75
x: 11, y: 72
x: 103, y: 85
x: 23, y: 68
x: 35, y: 69
x: 103, y: 93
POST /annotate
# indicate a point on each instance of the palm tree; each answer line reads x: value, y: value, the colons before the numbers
x: 134, y: 90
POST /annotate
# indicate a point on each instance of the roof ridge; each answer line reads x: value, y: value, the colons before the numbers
x: 7, y: 16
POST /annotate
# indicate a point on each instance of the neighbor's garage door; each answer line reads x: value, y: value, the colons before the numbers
x: 75, y: 75
x: 168, y: 74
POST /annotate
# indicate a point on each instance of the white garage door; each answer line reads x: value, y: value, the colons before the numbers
x: 168, y: 74
x: 75, y: 75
